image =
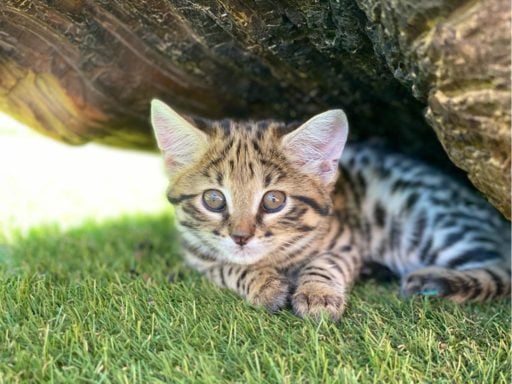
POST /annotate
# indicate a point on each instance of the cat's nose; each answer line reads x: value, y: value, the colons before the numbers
x: 241, y: 237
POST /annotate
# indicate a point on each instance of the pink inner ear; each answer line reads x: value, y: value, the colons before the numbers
x: 316, y: 146
x: 326, y: 166
x: 320, y: 138
x: 334, y: 147
x: 170, y: 163
x: 163, y: 133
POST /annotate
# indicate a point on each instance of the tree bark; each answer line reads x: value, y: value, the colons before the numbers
x: 455, y: 55
x: 82, y: 70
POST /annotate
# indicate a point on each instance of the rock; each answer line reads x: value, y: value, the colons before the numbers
x: 83, y: 70
x: 455, y: 55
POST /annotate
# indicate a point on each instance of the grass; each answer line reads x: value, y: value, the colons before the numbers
x: 94, y: 298
x: 113, y: 303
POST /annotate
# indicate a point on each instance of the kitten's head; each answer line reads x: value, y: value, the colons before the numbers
x: 248, y: 192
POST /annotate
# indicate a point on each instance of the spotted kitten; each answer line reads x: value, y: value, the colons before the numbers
x: 279, y: 217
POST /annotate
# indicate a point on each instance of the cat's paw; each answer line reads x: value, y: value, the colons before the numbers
x: 271, y: 292
x: 436, y: 282
x: 317, y: 299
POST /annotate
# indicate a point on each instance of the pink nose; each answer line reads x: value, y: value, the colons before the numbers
x: 241, y: 237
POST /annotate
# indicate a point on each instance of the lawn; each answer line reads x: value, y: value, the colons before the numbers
x: 93, y: 290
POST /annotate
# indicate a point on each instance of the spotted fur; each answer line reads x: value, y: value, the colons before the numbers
x: 372, y: 206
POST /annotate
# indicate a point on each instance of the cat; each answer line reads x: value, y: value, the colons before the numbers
x: 284, y: 217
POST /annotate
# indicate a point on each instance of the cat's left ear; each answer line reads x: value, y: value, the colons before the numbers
x: 316, y: 146
x: 180, y: 142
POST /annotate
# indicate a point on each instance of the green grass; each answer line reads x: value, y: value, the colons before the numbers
x: 111, y: 302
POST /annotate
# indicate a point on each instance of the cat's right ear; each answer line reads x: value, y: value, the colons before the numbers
x: 316, y: 146
x: 180, y: 142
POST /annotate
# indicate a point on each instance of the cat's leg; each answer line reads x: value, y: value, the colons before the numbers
x: 324, y: 282
x: 264, y: 287
x: 479, y: 284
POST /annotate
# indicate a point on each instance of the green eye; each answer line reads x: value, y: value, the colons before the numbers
x: 273, y: 201
x: 214, y: 200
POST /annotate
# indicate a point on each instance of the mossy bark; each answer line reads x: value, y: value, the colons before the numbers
x: 82, y: 70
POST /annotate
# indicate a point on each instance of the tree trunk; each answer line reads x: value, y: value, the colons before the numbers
x: 82, y: 70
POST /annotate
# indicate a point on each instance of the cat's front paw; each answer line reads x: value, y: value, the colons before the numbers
x: 317, y: 299
x: 271, y: 292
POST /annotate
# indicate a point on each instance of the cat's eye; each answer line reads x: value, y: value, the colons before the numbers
x: 273, y: 201
x: 214, y: 200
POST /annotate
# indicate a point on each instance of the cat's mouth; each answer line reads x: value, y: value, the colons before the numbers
x: 249, y: 253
